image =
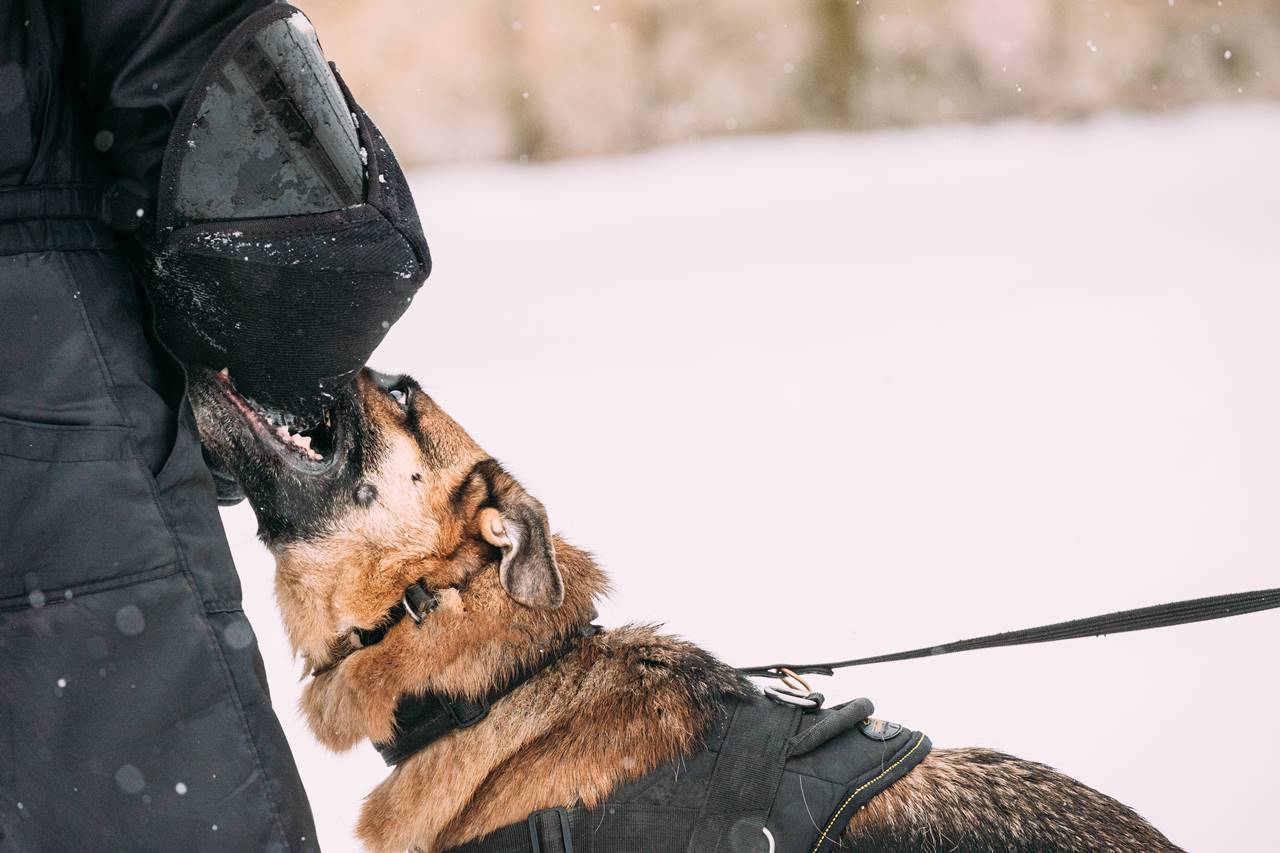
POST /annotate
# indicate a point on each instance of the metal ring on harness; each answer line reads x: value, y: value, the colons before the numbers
x: 795, y: 682
x: 795, y: 691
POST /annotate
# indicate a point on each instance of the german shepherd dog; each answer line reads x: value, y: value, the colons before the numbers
x: 391, y: 490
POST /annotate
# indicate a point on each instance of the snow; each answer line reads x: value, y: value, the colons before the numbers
x: 819, y: 396
x: 130, y: 621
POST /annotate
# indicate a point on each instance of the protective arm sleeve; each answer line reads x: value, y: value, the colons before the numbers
x: 284, y: 241
x: 136, y: 63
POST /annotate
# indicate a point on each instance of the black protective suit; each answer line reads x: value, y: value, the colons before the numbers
x: 134, y: 713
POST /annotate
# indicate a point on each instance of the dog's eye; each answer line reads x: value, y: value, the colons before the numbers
x: 401, y: 397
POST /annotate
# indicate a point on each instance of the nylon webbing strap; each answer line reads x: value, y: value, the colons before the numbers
x: 740, y: 794
x: 745, y: 781
x: 609, y: 827
x: 421, y: 719
x: 1139, y: 619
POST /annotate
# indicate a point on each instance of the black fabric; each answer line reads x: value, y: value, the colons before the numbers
x: 827, y: 765
x: 279, y: 193
x: 270, y: 131
x: 745, y: 781
x: 618, y: 828
x: 126, y: 664
x: 423, y: 718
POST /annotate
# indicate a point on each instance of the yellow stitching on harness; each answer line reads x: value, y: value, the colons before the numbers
x: 823, y: 837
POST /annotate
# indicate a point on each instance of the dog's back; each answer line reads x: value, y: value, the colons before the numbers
x: 973, y: 800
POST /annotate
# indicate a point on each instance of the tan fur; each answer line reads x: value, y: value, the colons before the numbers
x: 979, y: 799
x: 477, y: 634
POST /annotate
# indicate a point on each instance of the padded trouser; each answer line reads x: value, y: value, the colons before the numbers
x: 134, y: 713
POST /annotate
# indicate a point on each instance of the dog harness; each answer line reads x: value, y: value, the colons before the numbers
x: 772, y: 776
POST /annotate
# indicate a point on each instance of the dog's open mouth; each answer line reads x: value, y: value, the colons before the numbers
x: 305, y: 444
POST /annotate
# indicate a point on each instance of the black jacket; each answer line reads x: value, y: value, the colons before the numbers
x: 134, y: 712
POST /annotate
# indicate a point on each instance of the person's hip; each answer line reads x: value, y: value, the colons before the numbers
x: 100, y: 471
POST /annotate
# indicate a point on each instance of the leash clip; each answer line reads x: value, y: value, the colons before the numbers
x: 795, y: 691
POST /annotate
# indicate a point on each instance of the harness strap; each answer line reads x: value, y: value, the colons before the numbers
x: 608, y: 827
x: 421, y: 719
x: 739, y: 796
x: 1138, y: 619
x: 745, y: 781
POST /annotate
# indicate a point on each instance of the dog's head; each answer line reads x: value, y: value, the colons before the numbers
x: 389, y: 491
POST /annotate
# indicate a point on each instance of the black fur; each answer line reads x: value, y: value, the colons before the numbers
x: 292, y: 504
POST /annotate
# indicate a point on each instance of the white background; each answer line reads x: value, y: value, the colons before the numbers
x: 814, y: 397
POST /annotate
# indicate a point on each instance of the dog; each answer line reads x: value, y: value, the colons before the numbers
x: 390, y: 496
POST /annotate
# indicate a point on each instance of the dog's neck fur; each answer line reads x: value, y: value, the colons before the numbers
x: 610, y: 710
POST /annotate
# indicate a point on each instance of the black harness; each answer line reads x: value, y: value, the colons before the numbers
x: 772, y: 776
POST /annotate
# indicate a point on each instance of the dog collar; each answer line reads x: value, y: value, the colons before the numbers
x: 417, y: 602
x: 422, y: 719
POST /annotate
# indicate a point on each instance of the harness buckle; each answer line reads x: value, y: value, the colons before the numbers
x: 535, y: 833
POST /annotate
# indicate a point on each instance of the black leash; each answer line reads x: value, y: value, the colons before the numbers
x: 1139, y: 619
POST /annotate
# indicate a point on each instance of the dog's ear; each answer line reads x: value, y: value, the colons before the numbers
x: 518, y: 526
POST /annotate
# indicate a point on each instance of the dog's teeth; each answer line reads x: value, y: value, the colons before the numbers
x: 287, y: 435
x: 225, y: 373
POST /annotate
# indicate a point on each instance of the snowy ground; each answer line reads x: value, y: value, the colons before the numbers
x: 820, y: 396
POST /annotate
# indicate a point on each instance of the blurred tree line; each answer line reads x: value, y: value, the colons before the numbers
x: 543, y: 79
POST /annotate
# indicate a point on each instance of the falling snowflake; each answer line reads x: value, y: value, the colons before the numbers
x: 130, y: 621
x: 130, y: 779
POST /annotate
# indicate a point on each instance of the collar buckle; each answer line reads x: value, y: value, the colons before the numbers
x: 418, y: 601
